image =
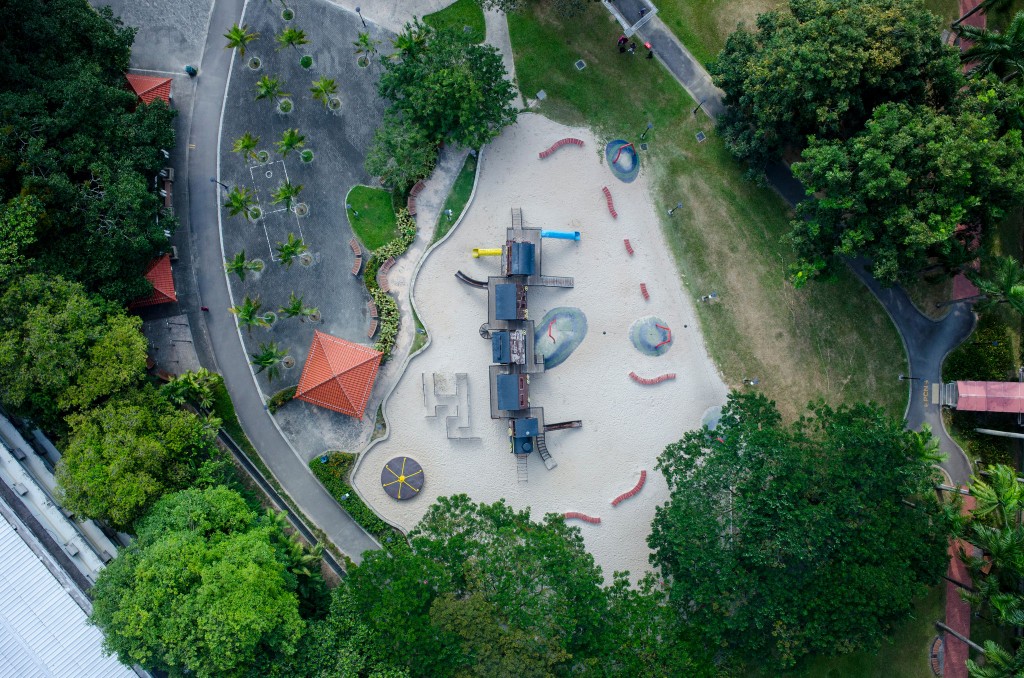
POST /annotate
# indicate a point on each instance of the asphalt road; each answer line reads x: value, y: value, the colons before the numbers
x: 228, y: 356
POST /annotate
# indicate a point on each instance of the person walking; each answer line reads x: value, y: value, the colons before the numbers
x: 632, y: 48
x: 622, y: 43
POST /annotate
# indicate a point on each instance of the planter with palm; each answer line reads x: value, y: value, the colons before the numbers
x: 286, y: 193
x: 270, y: 88
x: 242, y: 201
x: 248, y: 314
x: 239, y: 265
x: 239, y: 37
x: 269, y: 359
x: 246, y: 145
x: 293, y: 247
x: 291, y: 37
x: 297, y: 309
x: 325, y: 90
x: 290, y: 140
x: 366, y: 49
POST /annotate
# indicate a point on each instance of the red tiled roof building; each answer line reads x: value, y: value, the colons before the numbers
x: 338, y: 375
x: 149, y: 88
x: 160, y: 276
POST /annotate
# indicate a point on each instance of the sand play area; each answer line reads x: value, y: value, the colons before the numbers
x: 439, y: 413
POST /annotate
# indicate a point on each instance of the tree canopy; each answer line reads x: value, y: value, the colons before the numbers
x: 79, y: 145
x: 205, y: 588
x: 809, y: 537
x: 121, y: 457
x: 823, y: 67
x: 897, y: 190
x: 62, y: 349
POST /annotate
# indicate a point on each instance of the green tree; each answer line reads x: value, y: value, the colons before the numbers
x: 124, y: 455
x: 291, y: 37
x: 822, y: 68
x: 269, y: 358
x: 239, y: 265
x: 400, y: 154
x: 204, y: 589
x: 324, y: 89
x: 784, y: 521
x: 366, y: 46
x: 246, y: 145
x: 297, y: 308
x: 287, y: 192
x: 896, y: 191
x: 62, y: 349
x: 290, y: 140
x: 240, y: 201
x: 995, y: 52
x: 248, y: 313
x: 19, y: 224
x: 291, y: 248
x: 269, y: 88
x: 1000, y: 282
x: 450, y: 88
x: 239, y: 37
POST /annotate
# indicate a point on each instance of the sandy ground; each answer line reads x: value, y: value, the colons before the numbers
x: 625, y: 425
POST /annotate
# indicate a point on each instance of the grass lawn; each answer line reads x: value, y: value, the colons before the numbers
x: 459, y: 15
x: 828, y: 340
x: 457, y: 198
x: 905, y: 657
x: 704, y: 25
x: 375, y: 224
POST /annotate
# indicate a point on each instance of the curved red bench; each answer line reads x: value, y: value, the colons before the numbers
x: 643, y: 291
x: 411, y: 202
x: 582, y: 516
x: 382, y: 274
x: 626, y: 495
x: 558, y: 144
x: 611, y: 204
x: 656, y: 380
x: 629, y: 247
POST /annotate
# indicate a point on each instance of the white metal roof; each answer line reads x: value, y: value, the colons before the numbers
x: 43, y: 632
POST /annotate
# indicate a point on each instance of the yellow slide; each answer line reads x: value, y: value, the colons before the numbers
x: 492, y: 252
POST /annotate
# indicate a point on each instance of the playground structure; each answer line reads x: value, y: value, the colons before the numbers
x: 562, y: 235
x: 511, y: 333
x: 623, y: 160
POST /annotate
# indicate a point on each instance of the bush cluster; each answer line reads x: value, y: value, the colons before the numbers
x: 334, y: 475
x: 280, y: 399
x: 387, y: 308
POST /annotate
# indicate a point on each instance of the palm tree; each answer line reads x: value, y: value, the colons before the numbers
x: 269, y: 358
x: 240, y: 201
x: 248, y: 313
x: 296, y: 308
x: 366, y: 46
x: 291, y: 37
x: 1004, y: 286
x: 238, y: 37
x: 286, y: 193
x: 240, y: 265
x: 411, y: 40
x: 995, y: 52
x: 269, y: 88
x: 287, y: 251
x: 246, y: 145
x: 192, y: 386
x: 324, y: 89
x: 290, y: 140
x: 998, y: 663
x: 997, y: 497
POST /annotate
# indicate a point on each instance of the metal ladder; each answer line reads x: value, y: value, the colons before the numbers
x: 517, y: 217
x: 521, y: 468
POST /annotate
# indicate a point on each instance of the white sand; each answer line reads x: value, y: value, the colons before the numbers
x: 625, y: 424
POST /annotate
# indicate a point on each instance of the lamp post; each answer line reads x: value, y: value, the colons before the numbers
x: 643, y: 135
x: 678, y: 205
x: 904, y: 377
x: 698, y: 107
x: 355, y: 212
x: 214, y: 181
x: 361, y: 17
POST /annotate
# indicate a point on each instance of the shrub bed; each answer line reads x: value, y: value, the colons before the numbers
x: 334, y: 474
x: 387, y: 308
x: 279, y: 399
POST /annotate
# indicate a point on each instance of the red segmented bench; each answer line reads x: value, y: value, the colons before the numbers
x: 626, y: 495
x: 411, y: 202
x: 582, y: 516
x: 356, y: 249
x: 629, y: 247
x: 372, y: 308
x: 373, y: 328
x: 382, y: 275
x: 558, y: 144
x: 656, y: 380
x: 643, y: 291
x: 358, y: 265
x: 611, y: 204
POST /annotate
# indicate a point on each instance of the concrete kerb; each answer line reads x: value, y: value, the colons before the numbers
x: 409, y: 358
x: 238, y: 328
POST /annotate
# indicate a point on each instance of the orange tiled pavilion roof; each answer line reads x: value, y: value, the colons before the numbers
x: 159, y: 274
x: 338, y: 375
x: 150, y: 88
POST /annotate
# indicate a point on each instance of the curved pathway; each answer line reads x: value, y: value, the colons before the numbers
x: 228, y: 355
x: 927, y: 342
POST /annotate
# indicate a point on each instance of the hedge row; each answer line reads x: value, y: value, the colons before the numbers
x: 334, y: 475
x: 387, y: 308
x: 279, y: 399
